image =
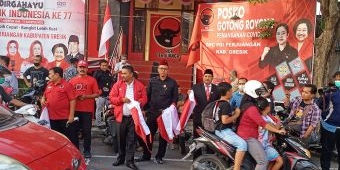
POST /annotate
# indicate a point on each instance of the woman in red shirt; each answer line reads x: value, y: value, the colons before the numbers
x: 250, y: 120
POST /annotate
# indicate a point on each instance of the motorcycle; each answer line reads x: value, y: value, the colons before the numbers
x: 30, y: 111
x: 295, y: 155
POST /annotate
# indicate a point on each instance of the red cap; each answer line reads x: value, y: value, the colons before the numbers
x: 164, y: 62
x: 82, y: 63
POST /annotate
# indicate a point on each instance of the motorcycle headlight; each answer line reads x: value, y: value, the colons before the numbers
x: 305, y: 164
x: 7, y: 163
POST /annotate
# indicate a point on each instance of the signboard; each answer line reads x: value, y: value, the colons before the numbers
x: 165, y: 37
x: 226, y: 37
x: 32, y: 27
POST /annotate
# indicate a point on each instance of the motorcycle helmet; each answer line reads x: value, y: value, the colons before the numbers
x: 254, y: 88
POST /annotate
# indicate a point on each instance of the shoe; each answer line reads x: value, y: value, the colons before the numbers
x: 132, y: 166
x: 117, y: 163
x: 142, y: 159
x: 87, y: 155
x: 159, y: 161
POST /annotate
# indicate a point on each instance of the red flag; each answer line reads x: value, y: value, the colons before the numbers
x: 107, y: 33
x: 141, y: 129
x: 195, y: 43
x: 186, y: 112
x: 167, y: 123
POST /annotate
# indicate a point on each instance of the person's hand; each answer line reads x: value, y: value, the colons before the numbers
x: 82, y: 97
x: 282, y: 131
x: 126, y: 100
x: 265, y: 52
x: 70, y: 119
x: 237, y: 112
x: 43, y: 101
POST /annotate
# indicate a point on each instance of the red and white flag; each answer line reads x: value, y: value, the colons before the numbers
x: 186, y: 113
x: 141, y: 129
x: 107, y: 33
x: 167, y: 123
x: 117, y: 51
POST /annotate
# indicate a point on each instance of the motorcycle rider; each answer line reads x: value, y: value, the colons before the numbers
x: 305, y: 114
x: 250, y: 120
x: 265, y: 137
x: 225, y: 123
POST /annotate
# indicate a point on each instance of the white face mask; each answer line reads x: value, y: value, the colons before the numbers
x: 241, y: 88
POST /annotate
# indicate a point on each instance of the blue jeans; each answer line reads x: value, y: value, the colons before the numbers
x: 231, y: 137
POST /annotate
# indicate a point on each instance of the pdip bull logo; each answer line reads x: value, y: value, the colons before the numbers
x: 207, y: 16
x: 167, y: 33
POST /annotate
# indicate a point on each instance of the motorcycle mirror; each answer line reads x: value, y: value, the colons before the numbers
x: 27, y: 110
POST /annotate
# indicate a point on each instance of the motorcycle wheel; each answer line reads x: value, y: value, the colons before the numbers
x: 208, y: 162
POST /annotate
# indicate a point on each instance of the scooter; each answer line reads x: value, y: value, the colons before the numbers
x: 29, y: 112
x: 295, y: 155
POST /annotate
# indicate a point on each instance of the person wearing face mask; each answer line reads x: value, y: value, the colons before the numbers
x: 330, y: 125
x: 10, y: 82
x: 119, y: 66
x: 235, y: 101
x: 36, y: 73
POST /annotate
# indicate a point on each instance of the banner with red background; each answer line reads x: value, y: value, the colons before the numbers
x: 225, y: 37
x: 165, y: 37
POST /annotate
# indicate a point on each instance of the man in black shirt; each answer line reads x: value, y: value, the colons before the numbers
x: 162, y: 92
x: 105, y: 81
x: 37, y: 73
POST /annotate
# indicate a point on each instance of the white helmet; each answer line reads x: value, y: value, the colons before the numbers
x: 254, y: 88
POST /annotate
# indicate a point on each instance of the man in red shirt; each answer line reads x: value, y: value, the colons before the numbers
x: 87, y: 90
x: 125, y: 91
x: 60, y: 100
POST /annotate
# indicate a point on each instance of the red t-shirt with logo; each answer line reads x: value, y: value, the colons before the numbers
x: 58, y: 97
x: 85, y: 86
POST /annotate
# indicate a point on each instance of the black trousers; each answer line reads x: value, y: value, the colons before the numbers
x: 69, y: 132
x: 153, y: 126
x: 85, y: 123
x: 328, y: 142
x: 126, y: 140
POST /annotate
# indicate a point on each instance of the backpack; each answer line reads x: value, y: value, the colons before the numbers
x: 210, y: 117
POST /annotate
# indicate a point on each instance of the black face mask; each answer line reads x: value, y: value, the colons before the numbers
x: 36, y: 64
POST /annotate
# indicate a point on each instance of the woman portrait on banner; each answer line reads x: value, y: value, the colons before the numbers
x: 282, y: 52
x: 36, y: 48
x: 14, y: 55
x: 304, y: 42
x: 59, y: 52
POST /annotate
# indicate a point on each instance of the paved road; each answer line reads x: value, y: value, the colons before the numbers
x: 103, y: 157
